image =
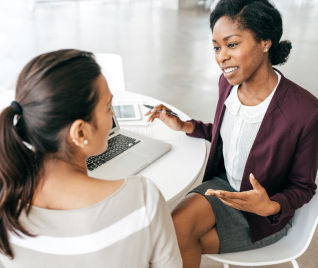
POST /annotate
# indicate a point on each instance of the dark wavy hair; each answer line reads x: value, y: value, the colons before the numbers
x: 259, y: 16
x: 53, y: 89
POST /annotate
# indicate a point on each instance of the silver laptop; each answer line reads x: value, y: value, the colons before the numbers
x: 127, y: 154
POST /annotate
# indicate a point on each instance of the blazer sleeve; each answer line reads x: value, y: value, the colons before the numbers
x: 201, y: 130
x: 301, y: 179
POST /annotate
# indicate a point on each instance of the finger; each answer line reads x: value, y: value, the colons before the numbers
x: 238, y: 202
x: 164, y: 115
x: 151, y: 112
x: 150, y: 117
x: 233, y: 195
x: 153, y: 116
x: 210, y: 192
x: 157, y: 107
x: 231, y: 204
x: 255, y: 184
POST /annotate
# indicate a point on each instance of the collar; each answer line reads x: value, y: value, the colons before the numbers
x: 250, y: 114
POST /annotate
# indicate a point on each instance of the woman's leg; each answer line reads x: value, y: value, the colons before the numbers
x: 194, y: 222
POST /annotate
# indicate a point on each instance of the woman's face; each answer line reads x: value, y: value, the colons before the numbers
x: 103, y: 115
x: 237, y: 52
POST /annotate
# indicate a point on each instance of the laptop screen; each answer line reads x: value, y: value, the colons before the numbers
x: 115, y: 125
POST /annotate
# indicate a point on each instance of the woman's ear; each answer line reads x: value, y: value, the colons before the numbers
x: 78, y: 133
x: 266, y: 45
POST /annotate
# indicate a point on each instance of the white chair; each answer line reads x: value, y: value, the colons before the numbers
x: 288, y: 249
x: 112, y: 68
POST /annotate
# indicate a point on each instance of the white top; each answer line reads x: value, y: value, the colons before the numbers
x: 130, y: 228
x: 238, y: 131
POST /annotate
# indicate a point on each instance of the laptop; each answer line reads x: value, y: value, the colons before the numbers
x: 127, y: 154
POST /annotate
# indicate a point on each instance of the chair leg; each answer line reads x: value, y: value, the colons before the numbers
x: 225, y: 265
x: 295, y: 264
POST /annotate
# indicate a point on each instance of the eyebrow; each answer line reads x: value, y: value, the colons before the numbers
x: 227, y: 37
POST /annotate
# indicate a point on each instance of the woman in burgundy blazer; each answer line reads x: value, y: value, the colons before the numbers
x: 284, y: 155
x: 279, y: 174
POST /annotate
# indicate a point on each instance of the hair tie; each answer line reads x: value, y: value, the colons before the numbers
x: 16, y: 107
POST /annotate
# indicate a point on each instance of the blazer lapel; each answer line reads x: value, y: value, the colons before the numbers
x: 262, y: 135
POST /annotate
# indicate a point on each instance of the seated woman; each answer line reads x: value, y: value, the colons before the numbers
x: 52, y: 213
x: 264, y: 146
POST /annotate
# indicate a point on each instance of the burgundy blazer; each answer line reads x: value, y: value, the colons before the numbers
x: 283, y: 157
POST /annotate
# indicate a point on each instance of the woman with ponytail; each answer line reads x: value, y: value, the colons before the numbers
x: 52, y: 214
x: 264, y: 147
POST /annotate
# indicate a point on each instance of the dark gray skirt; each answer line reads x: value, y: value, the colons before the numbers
x: 232, y: 227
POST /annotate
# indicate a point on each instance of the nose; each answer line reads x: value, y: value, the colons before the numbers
x: 222, y: 56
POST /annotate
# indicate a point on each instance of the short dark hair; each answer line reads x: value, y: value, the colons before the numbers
x: 53, y: 89
x: 259, y: 16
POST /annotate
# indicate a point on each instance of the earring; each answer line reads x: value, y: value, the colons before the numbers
x: 85, y: 142
x: 73, y: 140
x: 265, y: 50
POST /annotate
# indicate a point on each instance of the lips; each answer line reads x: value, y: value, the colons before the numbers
x: 228, y: 70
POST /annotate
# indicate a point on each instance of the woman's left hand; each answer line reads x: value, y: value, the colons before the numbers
x: 255, y: 201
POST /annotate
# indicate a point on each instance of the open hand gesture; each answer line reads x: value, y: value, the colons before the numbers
x: 255, y: 201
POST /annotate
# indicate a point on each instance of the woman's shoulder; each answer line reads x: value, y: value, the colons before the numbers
x: 135, y: 189
x: 297, y: 105
x: 148, y: 192
x: 303, y: 95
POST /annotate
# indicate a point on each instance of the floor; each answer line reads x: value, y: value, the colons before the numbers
x: 167, y: 54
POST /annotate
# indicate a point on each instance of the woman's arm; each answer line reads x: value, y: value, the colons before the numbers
x: 201, y: 130
x: 301, y: 179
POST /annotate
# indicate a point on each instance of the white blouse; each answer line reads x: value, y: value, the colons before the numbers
x: 238, y: 131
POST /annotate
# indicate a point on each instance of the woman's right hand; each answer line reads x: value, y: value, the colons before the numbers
x: 162, y: 112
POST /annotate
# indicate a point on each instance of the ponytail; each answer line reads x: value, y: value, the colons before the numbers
x: 19, y: 168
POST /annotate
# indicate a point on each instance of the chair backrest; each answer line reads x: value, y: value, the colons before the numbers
x: 304, y: 224
x: 112, y: 68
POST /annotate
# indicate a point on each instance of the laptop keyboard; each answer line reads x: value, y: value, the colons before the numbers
x: 116, y: 146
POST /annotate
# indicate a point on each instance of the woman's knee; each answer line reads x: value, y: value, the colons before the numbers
x: 193, y: 216
x: 182, y: 221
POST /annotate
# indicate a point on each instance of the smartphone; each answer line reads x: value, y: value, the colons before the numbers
x: 125, y: 112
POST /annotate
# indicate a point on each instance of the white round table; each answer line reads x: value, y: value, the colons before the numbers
x: 181, y: 169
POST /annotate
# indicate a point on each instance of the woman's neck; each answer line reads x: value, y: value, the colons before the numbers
x: 56, y: 176
x: 66, y: 186
x: 56, y: 168
x: 257, y: 88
